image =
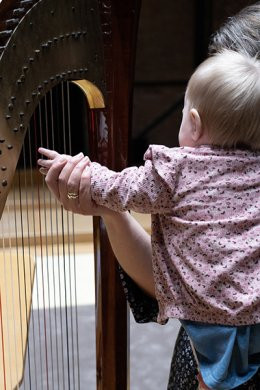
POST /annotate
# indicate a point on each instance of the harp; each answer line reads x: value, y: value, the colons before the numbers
x: 64, y: 65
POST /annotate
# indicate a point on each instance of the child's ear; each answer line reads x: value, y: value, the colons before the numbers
x: 197, y: 130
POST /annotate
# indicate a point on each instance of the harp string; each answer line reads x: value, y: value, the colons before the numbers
x: 15, y: 323
x: 16, y: 221
x: 46, y: 248
x: 74, y: 253
x: 69, y: 252
x: 63, y: 239
x: 60, y: 248
x: 51, y: 144
x: 1, y: 313
x: 61, y: 254
x: 33, y: 250
x: 23, y: 223
x: 41, y: 257
x: 58, y: 207
x: 52, y: 246
x: 72, y: 261
x: 63, y: 250
x: 35, y: 214
x: 2, y: 338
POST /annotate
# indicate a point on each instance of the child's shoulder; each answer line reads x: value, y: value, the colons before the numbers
x: 168, y: 154
x: 198, y: 159
x: 162, y: 151
x: 199, y: 152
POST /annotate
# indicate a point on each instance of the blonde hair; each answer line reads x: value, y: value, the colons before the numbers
x: 225, y: 90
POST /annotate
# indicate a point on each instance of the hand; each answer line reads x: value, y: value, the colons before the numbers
x: 68, y: 178
x: 53, y: 158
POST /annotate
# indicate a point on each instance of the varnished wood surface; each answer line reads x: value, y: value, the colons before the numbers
x: 6, y: 6
x: 16, y: 282
x: 119, y: 21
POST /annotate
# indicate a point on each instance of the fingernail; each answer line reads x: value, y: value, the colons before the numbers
x: 43, y: 171
x: 83, y: 161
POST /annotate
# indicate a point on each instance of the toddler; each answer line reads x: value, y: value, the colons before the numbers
x: 204, y: 197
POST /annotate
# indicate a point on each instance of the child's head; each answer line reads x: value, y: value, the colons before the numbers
x: 222, y: 101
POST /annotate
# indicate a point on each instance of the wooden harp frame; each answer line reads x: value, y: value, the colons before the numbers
x: 43, y: 43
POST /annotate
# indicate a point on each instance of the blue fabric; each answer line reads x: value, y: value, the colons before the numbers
x: 228, y: 356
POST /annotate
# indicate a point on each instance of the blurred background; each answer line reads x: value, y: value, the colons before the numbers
x: 173, y: 39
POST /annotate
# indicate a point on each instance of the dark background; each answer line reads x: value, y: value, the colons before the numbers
x: 173, y: 39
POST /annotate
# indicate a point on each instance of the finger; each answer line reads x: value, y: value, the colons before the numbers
x: 65, y: 175
x: 43, y: 171
x: 45, y: 163
x: 54, y: 172
x: 75, y: 176
x: 52, y: 176
x: 51, y: 154
x: 71, y: 201
x: 48, y: 163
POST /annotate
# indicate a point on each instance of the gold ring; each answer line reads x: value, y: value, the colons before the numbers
x: 72, y: 195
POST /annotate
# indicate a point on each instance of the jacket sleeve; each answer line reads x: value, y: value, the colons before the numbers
x: 140, y: 189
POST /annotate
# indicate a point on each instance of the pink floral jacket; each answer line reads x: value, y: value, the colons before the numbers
x: 205, y: 206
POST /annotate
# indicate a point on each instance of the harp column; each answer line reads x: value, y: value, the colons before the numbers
x: 119, y: 22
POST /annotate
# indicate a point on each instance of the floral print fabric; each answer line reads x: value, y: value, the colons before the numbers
x: 205, y: 206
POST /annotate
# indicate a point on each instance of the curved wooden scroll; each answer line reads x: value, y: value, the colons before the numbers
x: 44, y: 42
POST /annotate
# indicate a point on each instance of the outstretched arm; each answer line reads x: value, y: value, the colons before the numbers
x: 130, y: 242
x: 131, y: 245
